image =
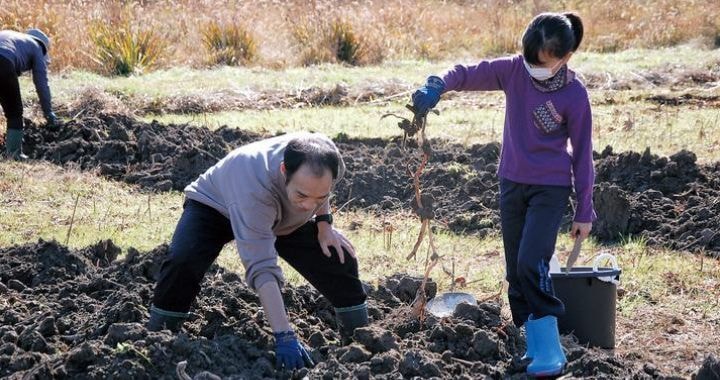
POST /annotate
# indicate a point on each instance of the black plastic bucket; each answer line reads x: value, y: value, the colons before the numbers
x: 589, y: 304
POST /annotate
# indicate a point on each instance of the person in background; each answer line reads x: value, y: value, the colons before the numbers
x: 20, y: 52
x: 546, y: 150
x: 272, y: 197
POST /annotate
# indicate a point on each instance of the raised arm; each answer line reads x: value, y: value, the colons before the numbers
x: 487, y: 75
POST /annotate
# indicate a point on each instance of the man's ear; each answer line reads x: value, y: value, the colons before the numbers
x: 283, y: 169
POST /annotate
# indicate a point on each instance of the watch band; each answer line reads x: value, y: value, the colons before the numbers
x: 324, y: 218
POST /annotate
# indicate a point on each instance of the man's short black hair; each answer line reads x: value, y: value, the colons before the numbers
x: 315, y: 152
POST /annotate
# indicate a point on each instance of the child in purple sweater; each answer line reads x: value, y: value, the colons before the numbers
x: 546, y: 150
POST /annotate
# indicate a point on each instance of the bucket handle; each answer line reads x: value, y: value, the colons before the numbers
x: 613, y: 262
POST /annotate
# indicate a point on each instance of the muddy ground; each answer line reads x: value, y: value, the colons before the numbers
x: 670, y: 201
x: 80, y: 314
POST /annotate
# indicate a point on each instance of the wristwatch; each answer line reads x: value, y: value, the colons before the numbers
x: 324, y: 218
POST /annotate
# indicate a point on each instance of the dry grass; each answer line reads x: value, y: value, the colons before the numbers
x: 229, y: 44
x: 398, y: 29
x: 669, y: 308
x: 335, y: 41
x: 676, y: 341
x: 93, y: 101
x: 121, y: 49
x: 40, y: 200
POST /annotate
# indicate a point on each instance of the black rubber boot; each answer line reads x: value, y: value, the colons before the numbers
x: 13, y: 139
x: 350, y: 318
x: 165, y: 320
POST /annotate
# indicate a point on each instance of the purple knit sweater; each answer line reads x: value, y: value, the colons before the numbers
x: 548, y: 134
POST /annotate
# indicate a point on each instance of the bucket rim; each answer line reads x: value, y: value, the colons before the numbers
x: 585, y: 272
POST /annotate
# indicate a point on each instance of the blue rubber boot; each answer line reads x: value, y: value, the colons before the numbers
x: 549, y: 358
x: 529, y: 342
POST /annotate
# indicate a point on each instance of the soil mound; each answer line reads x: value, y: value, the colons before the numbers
x: 670, y: 201
x: 461, y: 181
x: 168, y: 157
x: 154, y: 156
x: 81, y: 314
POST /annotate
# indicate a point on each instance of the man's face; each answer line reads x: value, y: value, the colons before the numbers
x: 307, y: 191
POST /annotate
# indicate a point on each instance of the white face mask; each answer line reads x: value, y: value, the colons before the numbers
x: 541, y: 73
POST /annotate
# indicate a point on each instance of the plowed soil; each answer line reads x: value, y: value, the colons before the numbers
x: 670, y: 201
x: 81, y: 315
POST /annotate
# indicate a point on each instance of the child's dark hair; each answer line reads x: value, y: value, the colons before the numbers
x: 317, y: 153
x: 555, y: 33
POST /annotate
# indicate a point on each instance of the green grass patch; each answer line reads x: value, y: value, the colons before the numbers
x: 39, y: 202
x: 626, y: 127
x: 461, y: 125
x: 656, y: 277
x: 383, y: 251
x: 236, y: 80
x: 665, y: 130
x: 626, y: 61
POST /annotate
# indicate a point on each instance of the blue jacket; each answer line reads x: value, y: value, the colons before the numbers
x: 26, y: 54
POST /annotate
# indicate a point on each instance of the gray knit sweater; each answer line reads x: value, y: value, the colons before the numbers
x: 248, y: 188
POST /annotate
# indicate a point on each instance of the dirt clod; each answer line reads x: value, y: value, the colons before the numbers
x: 87, y: 320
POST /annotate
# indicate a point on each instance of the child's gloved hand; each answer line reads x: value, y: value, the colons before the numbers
x: 427, y: 96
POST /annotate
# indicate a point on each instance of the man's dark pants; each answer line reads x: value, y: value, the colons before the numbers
x: 530, y: 216
x: 201, y: 234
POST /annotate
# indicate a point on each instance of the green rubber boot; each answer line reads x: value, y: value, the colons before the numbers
x: 165, y: 320
x: 13, y: 140
x: 350, y: 318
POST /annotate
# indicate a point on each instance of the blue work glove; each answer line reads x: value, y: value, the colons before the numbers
x: 427, y: 96
x: 290, y: 353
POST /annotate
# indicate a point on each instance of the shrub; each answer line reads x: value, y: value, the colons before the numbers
x: 334, y: 41
x: 122, y: 50
x: 230, y: 45
x: 347, y: 46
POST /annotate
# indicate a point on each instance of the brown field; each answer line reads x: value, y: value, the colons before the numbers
x: 84, y: 224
